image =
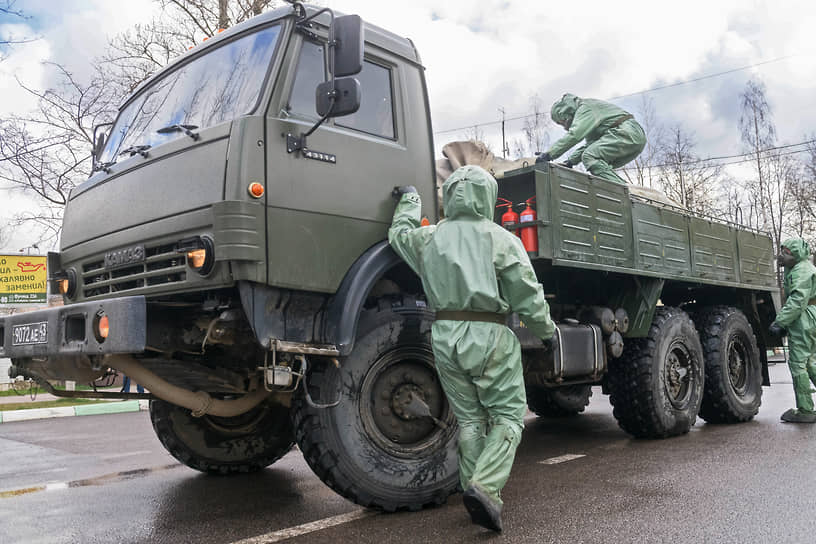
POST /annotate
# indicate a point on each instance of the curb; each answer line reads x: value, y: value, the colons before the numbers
x: 118, y: 407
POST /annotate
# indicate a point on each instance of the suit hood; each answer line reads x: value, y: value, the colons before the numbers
x: 563, y: 111
x: 469, y: 191
x: 798, y: 248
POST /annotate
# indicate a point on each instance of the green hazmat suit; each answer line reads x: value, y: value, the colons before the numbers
x: 798, y: 317
x: 469, y: 263
x: 613, y: 137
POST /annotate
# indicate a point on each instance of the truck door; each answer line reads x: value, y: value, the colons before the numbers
x: 327, y: 206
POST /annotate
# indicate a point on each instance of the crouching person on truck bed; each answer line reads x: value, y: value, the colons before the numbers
x: 474, y: 274
x: 798, y: 318
x: 613, y: 137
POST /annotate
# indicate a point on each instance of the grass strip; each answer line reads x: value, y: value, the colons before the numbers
x: 45, y: 404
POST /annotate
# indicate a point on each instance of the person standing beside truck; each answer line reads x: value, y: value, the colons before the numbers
x: 797, y: 318
x: 474, y: 274
x: 613, y: 137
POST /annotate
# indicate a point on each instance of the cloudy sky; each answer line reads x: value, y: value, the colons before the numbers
x: 482, y: 55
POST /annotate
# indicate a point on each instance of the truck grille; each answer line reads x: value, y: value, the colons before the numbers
x: 162, y: 265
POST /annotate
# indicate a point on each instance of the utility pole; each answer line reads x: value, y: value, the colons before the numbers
x: 504, y: 143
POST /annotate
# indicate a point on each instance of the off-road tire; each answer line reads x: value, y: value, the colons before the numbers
x: 566, y: 401
x: 651, y: 398
x: 733, y: 382
x: 223, y: 446
x: 361, y: 448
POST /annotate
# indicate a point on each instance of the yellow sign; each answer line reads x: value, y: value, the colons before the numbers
x: 23, y: 278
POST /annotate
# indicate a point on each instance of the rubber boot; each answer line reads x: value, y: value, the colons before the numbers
x: 798, y: 416
x: 482, y: 509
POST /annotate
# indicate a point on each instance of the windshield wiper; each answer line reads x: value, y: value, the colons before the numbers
x: 136, y: 150
x: 186, y: 129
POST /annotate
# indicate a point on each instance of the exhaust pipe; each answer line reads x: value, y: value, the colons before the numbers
x: 199, y: 402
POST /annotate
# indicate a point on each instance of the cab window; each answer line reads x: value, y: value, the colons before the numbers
x: 376, y: 113
x: 310, y: 73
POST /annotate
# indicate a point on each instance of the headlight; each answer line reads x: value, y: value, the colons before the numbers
x: 65, y: 282
x: 200, y: 253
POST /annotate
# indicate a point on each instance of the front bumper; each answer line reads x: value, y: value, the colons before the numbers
x: 69, y: 330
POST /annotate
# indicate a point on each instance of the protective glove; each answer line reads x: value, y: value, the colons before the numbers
x: 550, y: 343
x: 567, y: 163
x: 776, y: 330
x: 402, y: 190
x: 543, y: 157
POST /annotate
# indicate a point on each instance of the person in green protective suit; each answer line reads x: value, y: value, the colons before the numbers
x: 474, y: 273
x: 798, y: 318
x: 613, y: 137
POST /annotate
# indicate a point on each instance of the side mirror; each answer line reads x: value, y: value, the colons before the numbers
x: 99, y: 145
x: 347, y: 32
x: 347, y: 97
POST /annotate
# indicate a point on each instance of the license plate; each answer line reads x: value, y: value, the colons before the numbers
x: 33, y: 333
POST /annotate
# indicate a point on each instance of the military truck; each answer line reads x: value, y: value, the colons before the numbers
x: 229, y: 253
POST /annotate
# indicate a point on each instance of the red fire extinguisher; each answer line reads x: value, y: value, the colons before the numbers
x: 509, y: 218
x: 529, y: 235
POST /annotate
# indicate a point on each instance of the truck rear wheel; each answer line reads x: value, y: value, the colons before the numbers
x: 656, y: 387
x: 569, y: 400
x: 224, y: 445
x: 371, y: 448
x: 733, y: 382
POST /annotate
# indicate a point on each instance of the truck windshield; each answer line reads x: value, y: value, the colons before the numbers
x: 213, y: 88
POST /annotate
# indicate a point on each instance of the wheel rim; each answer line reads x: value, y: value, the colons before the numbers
x: 386, y: 394
x: 738, y: 364
x: 241, y: 424
x: 679, y: 373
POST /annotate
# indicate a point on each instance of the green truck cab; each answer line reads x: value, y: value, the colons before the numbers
x: 229, y: 253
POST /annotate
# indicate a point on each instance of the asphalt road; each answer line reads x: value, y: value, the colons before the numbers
x: 107, y: 479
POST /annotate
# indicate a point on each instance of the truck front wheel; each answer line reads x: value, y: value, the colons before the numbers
x: 224, y: 445
x: 566, y: 401
x: 733, y: 382
x: 656, y: 386
x: 374, y: 447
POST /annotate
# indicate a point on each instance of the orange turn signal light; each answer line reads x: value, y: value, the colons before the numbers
x: 424, y: 222
x: 63, y: 286
x: 104, y: 326
x: 256, y: 190
x: 197, y: 258
x: 101, y: 326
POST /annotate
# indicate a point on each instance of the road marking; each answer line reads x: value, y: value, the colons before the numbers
x: 121, y: 455
x: 98, y: 480
x: 561, y: 459
x: 307, y: 528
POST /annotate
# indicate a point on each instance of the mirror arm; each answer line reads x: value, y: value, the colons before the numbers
x: 298, y: 143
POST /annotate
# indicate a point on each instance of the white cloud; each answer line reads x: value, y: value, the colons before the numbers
x: 484, y: 54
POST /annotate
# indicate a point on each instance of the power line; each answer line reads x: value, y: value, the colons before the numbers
x: 701, y: 78
x: 749, y: 159
x: 677, y: 84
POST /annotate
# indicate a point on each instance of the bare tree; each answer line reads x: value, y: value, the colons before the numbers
x: 477, y: 134
x: 8, y: 8
x: 800, y: 219
x: 693, y: 182
x: 536, y: 125
x: 46, y: 152
x: 644, y: 170
x: 134, y: 55
x: 758, y: 134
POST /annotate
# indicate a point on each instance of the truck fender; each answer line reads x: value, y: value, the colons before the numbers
x: 344, y: 308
